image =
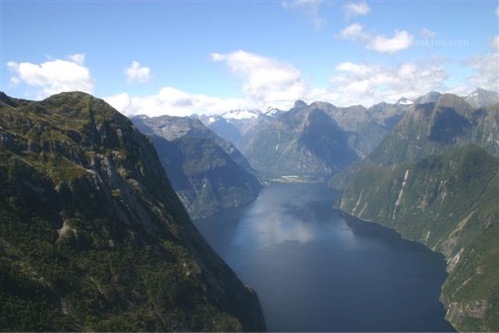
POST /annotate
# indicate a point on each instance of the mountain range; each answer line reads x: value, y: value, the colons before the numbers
x: 93, y: 236
x: 368, y: 125
x: 233, y: 125
x: 94, y: 209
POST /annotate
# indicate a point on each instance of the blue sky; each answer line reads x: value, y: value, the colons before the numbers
x: 183, y: 57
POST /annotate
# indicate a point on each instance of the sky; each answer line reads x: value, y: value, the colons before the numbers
x: 179, y: 57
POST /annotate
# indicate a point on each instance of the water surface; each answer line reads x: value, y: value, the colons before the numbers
x: 316, y: 271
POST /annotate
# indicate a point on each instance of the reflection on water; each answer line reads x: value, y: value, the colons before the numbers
x: 301, y: 217
x: 316, y: 271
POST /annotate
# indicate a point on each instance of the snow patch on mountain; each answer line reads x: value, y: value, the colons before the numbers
x: 272, y: 112
x: 405, y: 101
x: 242, y: 114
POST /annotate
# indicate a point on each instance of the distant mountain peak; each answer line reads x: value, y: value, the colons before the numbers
x: 272, y: 112
x: 242, y: 114
x: 430, y: 97
x: 404, y: 101
x: 481, y: 97
x: 300, y: 104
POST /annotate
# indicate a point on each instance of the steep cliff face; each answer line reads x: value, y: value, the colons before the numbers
x: 208, y: 173
x: 92, y: 235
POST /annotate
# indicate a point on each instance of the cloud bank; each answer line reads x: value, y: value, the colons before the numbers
x: 266, y: 81
x: 53, y: 76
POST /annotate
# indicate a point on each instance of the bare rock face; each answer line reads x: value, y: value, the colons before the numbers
x: 92, y: 235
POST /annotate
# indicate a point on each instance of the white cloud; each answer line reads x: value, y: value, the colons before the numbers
x: 137, y: 73
x: 355, y: 9
x: 497, y: 11
x: 354, y: 32
x: 266, y: 81
x: 172, y: 102
x: 311, y: 8
x: 383, y: 44
x: 427, y: 33
x: 379, y: 43
x: 368, y: 84
x: 78, y: 58
x: 494, y: 43
x: 486, y: 67
x: 53, y: 76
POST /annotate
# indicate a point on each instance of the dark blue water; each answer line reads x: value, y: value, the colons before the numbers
x: 316, y: 271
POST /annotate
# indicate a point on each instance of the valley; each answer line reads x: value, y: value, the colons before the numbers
x: 249, y: 166
x: 84, y: 186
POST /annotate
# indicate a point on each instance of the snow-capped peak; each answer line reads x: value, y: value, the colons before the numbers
x: 141, y: 116
x: 272, y: 112
x: 405, y: 101
x: 241, y: 114
x: 211, y: 119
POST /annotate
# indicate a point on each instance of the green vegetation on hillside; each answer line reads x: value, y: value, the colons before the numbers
x: 92, y: 235
x: 435, y: 179
x: 448, y: 202
x: 208, y: 173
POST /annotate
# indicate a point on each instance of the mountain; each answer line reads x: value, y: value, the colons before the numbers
x: 404, y: 101
x: 225, y: 130
x: 435, y: 179
x: 241, y: 114
x: 481, y: 98
x: 303, y: 141
x: 437, y: 127
x: 93, y: 237
x: 430, y: 97
x: 235, y: 124
x: 431, y: 128
x: 273, y: 112
x: 366, y: 127
x: 449, y: 202
x: 232, y: 125
x: 208, y: 173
